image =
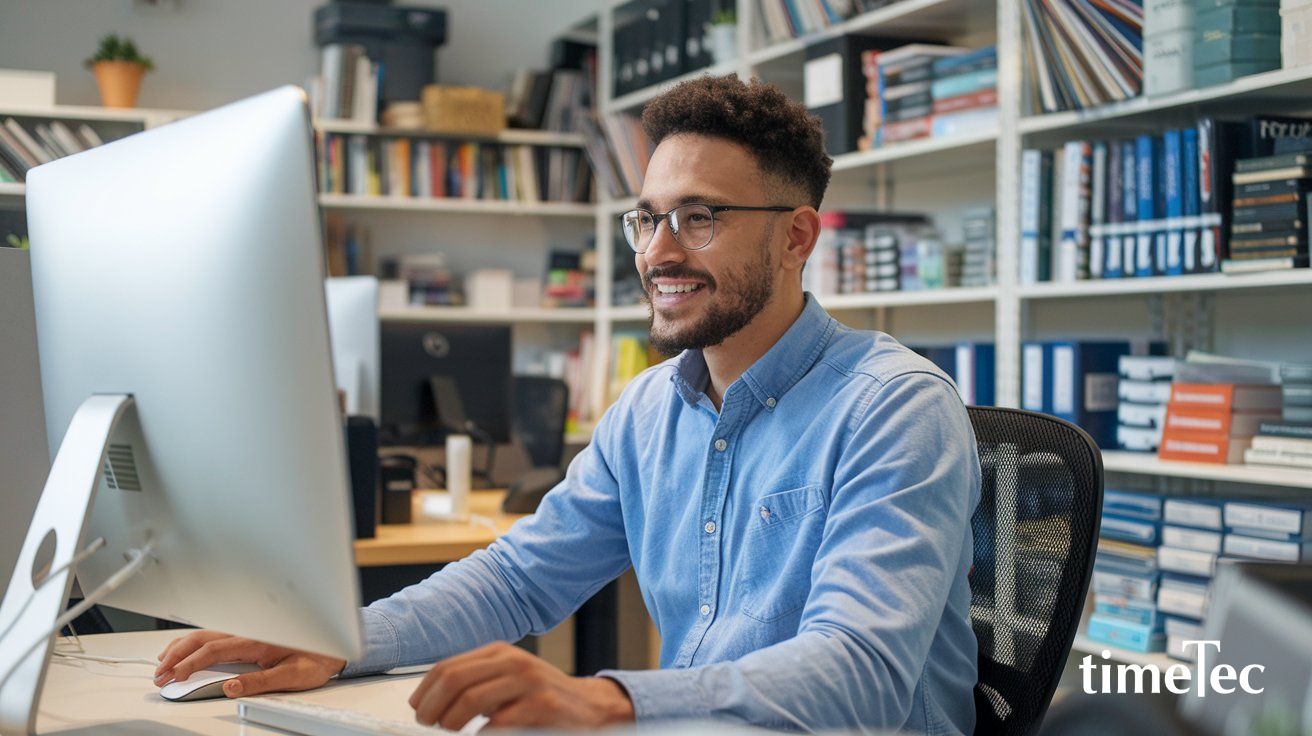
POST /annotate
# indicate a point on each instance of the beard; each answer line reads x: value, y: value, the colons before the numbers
x: 734, y: 302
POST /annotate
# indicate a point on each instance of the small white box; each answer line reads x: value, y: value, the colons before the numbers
x: 1164, y: 16
x: 1295, y: 34
x: 1168, y: 62
x: 528, y: 294
x: 490, y: 288
x: 23, y: 88
x: 393, y: 294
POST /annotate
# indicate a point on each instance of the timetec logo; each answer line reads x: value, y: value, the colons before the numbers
x: 1177, y: 677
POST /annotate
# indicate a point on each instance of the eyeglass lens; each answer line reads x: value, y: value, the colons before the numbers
x: 691, y: 224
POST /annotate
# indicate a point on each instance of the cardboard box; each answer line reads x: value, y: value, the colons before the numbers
x: 23, y: 88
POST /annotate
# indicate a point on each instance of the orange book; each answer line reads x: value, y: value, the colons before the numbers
x: 1189, y: 418
x: 1202, y: 447
x: 1226, y: 397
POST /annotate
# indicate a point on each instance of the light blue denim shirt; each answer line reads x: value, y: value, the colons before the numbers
x: 803, y: 551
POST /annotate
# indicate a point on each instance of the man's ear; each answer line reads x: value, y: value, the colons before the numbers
x: 803, y: 231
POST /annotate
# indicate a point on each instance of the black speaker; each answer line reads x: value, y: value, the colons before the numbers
x: 362, y: 460
x: 396, y: 483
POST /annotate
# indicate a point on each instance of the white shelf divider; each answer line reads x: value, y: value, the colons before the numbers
x: 1160, y: 284
x: 543, y: 315
x: 1145, y: 463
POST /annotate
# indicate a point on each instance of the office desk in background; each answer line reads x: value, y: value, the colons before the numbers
x: 404, y: 554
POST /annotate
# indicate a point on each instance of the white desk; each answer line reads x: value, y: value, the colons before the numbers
x: 83, y: 697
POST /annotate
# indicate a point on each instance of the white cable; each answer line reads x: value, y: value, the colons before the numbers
x: 107, y: 660
x: 89, y: 550
x: 137, y: 558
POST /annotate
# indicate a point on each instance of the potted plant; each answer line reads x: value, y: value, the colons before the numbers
x: 724, y: 36
x: 118, y: 67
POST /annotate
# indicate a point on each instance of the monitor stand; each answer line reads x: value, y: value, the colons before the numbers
x: 43, y: 575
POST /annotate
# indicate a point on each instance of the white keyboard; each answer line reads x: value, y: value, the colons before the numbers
x: 313, y: 719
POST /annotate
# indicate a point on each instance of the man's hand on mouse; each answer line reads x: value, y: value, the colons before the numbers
x: 281, y: 669
x: 514, y: 688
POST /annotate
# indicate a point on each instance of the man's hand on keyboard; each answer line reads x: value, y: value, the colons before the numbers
x: 281, y: 669
x: 514, y: 688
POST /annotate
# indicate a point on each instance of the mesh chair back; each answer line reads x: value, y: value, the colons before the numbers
x: 540, y: 408
x: 1036, y: 529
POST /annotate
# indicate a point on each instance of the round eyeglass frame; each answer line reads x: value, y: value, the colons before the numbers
x: 673, y: 216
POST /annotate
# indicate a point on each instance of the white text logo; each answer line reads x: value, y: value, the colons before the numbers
x: 1178, y: 678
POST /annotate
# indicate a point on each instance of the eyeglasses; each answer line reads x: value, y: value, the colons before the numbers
x: 692, y: 225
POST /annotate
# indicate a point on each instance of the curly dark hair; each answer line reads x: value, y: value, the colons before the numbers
x: 787, y: 142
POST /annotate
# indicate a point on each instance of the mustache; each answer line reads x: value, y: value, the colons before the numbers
x: 676, y: 272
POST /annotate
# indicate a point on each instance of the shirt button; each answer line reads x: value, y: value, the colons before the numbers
x: 770, y: 402
x: 706, y: 610
x: 710, y: 527
x: 720, y: 444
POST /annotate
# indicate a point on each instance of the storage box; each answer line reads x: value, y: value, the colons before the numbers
x: 1296, y: 33
x: 1220, y: 49
x: 1222, y: 73
x: 1165, y: 16
x: 1168, y: 62
x: 23, y: 88
x: 449, y: 109
x: 1238, y: 20
x: 491, y: 289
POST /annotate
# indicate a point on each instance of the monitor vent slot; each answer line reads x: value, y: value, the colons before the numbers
x: 121, y: 469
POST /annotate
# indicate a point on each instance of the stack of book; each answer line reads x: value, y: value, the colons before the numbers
x: 978, y: 267
x: 900, y: 86
x: 788, y: 19
x: 1268, y: 227
x: 1287, y: 442
x: 1215, y: 422
x: 23, y: 148
x: 1191, y: 544
x: 1081, y: 55
x: 1234, y: 39
x: 1274, y: 531
x: 1159, y: 205
x: 347, y: 86
x: 1143, y: 390
x: 862, y: 252
x: 1126, y: 574
x: 965, y: 92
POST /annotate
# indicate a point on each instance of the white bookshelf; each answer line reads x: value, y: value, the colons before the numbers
x: 509, y: 136
x: 541, y: 315
x: 1298, y: 278
x: 1145, y: 463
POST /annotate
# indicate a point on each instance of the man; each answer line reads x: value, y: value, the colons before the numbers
x: 794, y: 496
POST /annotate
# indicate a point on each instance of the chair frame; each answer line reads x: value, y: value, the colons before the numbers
x: 987, y: 422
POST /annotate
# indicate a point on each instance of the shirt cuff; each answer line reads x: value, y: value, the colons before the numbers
x: 662, y: 695
x: 382, y: 647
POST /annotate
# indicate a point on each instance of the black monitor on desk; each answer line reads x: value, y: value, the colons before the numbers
x: 473, y: 359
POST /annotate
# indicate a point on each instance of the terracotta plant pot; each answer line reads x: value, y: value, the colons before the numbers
x: 119, y: 82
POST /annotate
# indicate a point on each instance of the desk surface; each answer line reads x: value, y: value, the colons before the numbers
x: 83, y: 697
x: 425, y: 542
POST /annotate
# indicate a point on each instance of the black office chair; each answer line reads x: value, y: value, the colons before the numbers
x: 1036, y: 530
x: 538, y: 416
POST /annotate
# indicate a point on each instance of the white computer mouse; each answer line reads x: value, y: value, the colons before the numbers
x: 205, y: 684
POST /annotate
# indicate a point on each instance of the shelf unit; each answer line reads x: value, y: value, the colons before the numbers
x: 922, y: 174
x: 115, y: 122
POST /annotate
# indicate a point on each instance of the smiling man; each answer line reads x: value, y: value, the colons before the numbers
x: 794, y: 496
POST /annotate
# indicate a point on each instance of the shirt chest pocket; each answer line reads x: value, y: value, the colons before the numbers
x: 779, y: 548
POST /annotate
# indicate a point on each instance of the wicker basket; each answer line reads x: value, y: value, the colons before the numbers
x: 449, y: 109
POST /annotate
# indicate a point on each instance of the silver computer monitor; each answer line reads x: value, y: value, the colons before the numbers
x: 184, y: 266
x: 353, y: 326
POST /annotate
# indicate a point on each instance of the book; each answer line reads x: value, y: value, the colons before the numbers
x: 1225, y: 397
x: 1197, y: 513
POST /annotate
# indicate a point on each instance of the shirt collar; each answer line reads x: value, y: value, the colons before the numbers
x: 770, y: 377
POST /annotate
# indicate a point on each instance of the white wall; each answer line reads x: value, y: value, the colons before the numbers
x: 209, y: 52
